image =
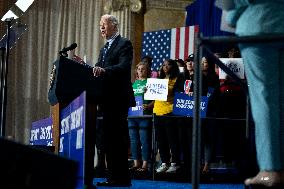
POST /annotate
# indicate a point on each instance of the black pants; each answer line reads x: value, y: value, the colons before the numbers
x: 116, y: 140
x: 185, y: 125
x: 167, y: 133
x: 90, y: 139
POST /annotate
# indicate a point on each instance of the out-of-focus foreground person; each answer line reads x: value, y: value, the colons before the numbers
x: 264, y: 64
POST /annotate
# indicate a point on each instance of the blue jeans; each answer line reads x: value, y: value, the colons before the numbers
x: 140, y: 138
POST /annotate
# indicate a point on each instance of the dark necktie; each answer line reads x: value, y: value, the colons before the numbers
x: 105, y: 51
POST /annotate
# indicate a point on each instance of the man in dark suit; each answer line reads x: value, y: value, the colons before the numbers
x: 114, y: 66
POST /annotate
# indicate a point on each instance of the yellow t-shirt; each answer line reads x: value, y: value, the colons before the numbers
x: 165, y: 107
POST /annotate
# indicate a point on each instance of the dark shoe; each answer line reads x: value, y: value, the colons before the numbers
x: 266, y: 178
x: 115, y: 183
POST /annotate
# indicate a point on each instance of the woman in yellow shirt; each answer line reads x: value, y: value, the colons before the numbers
x: 166, y: 131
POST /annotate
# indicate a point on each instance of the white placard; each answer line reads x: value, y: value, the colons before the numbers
x: 236, y: 65
x: 157, y: 89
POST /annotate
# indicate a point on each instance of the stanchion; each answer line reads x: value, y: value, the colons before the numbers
x: 4, y: 72
x: 196, y: 130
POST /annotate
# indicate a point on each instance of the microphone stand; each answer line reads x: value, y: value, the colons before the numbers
x: 4, y: 72
x: 3, y: 50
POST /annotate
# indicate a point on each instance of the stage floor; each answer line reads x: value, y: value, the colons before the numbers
x: 149, y: 184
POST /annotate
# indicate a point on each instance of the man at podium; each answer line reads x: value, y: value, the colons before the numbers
x: 114, y: 66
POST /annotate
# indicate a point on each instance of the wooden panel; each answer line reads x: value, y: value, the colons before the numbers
x: 138, y: 28
x: 55, y: 122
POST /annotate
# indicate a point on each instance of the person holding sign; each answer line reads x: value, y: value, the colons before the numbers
x: 264, y: 65
x: 185, y: 80
x: 185, y: 84
x: 140, y: 128
x: 114, y: 66
x: 166, y: 130
x: 188, y: 73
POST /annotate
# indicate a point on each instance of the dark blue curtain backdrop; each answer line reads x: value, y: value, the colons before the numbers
x: 205, y: 14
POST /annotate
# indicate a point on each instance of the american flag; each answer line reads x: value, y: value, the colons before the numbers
x: 172, y: 43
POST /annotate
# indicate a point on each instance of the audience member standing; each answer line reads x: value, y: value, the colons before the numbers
x: 185, y: 84
x: 211, y: 80
x: 140, y: 128
x: 148, y: 60
x: 166, y: 129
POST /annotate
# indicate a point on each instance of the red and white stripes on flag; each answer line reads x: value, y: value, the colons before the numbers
x: 176, y: 43
x: 182, y: 42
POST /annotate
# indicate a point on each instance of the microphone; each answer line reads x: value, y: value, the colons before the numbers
x: 71, y: 47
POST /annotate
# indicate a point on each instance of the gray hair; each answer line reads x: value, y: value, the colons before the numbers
x: 112, y: 19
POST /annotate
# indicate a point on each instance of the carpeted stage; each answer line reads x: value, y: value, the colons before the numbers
x: 149, y: 184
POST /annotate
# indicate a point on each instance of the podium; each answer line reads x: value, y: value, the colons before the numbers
x: 67, y: 81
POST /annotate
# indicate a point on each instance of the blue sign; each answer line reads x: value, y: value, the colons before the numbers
x: 138, y: 109
x: 72, y: 136
x: 77, y: 135
x: 184, y: 104
x: 64, y: 132
x: 41, y: 132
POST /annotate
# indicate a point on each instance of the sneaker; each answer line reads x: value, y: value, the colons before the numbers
x: 173, y: 168
x: 163, y: 167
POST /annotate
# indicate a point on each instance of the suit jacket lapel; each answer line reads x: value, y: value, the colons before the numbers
x: 113, y: 45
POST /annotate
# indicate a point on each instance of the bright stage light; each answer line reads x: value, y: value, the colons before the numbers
x: 18, y: 9
x: 9, y: 14
x: 24, y: 4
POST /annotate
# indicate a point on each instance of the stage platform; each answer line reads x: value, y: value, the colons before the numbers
x: 149, y: 184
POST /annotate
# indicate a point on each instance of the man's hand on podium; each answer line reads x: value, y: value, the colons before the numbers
x: 78, y: 59
x: 98, y: 71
